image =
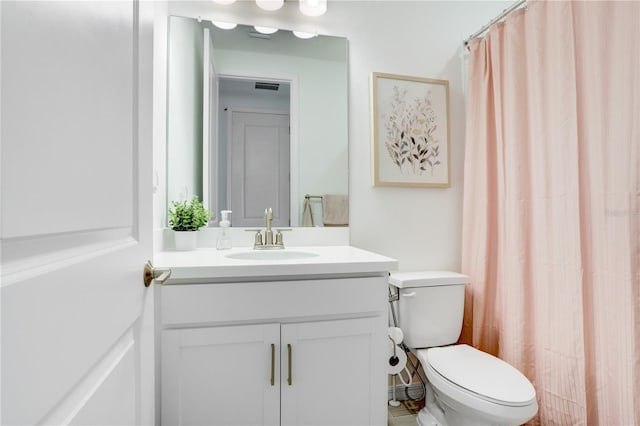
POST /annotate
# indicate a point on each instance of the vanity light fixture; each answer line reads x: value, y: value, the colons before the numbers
x: 313, y: 7
x: 270, y: 5
x: 265, y: 30
x: 304, y: 35
x: 224, y: 25
x: 307, y: 7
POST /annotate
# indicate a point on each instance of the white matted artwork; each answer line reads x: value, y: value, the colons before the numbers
x: 410, y: 119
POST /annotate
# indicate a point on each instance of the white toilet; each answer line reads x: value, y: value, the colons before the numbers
x: 465, y: 386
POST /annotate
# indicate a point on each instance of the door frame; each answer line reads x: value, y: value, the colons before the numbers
x: 294, y: 168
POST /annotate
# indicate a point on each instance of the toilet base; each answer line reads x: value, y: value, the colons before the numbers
x: 425, y: 418
x: 438, y: 412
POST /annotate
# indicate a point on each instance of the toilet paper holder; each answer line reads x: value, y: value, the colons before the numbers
x: 394, y: 360
x: 398, y: 360
x: 394, y: 297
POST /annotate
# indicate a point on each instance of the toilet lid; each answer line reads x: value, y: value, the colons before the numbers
x: 481, y: 373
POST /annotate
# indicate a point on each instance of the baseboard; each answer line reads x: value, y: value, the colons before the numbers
x: 416, y: 391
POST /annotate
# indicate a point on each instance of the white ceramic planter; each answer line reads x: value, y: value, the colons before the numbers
x: 185, y: 240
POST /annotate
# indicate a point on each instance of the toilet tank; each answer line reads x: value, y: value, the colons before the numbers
x: 430, y: 306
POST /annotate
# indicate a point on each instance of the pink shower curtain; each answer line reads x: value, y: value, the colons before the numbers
x: 551, y: 224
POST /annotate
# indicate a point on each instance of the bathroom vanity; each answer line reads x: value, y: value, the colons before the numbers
x: 291, y: 337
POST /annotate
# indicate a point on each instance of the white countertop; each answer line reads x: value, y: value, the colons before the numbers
x: 211, y: 265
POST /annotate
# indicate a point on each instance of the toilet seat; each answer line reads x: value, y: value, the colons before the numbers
x: 482, y: 374
x: 470, y: 378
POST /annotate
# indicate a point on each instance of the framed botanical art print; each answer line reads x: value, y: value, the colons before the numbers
x: 410, y: 119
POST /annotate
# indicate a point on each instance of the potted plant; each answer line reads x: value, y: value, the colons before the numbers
x: 185, y: 218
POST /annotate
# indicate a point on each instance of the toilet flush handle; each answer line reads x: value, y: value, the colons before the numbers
x: 412, y: 294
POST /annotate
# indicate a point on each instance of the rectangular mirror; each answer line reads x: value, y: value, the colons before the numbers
x: 256, y: 120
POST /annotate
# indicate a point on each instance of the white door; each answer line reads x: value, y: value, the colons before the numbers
x: 332, y: 374
x: 259, y: 168
x: 77, y: 321
x: 221, y: 376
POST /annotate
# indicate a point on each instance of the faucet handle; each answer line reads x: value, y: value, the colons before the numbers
x: 279, y: 239
x: 279, y: 232
x: 258, y: 237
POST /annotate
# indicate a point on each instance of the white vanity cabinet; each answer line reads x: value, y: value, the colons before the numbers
x: 335, y: 373
x: 220, y: 375
x: 309, y: 351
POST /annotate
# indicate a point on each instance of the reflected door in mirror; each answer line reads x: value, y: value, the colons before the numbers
x: 259, y: 162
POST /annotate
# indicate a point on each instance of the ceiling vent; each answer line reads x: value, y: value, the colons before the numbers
x: 262, y: 85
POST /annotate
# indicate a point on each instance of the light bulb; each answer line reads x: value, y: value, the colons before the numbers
x: 270, y: 5
x: 265, y: 30
x: 313, y: 7
x: 304, y: 35
x: 224, y: 25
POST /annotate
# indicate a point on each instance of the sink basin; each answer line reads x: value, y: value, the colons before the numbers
x: 271, y: 255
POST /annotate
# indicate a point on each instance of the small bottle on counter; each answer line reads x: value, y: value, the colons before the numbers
x: 224, y: 239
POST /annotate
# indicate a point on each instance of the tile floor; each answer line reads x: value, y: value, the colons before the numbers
x: 405, y: 414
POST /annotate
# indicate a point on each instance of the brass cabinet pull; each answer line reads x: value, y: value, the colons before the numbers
x: 289, y: 378
x: 273, y: 364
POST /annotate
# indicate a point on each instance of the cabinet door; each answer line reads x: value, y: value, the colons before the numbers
x: 337, y: 372
x: 221, y: 376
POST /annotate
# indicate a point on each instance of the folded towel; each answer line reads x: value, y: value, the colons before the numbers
x: 307, y: 217
x: 335, y: 210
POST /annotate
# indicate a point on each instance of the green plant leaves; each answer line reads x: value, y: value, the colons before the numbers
x: 188, y: 216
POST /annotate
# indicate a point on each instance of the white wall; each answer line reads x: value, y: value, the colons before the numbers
x: 421, y: 227
x: 184, y: 117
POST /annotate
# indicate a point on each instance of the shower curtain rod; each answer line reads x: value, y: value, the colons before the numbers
x: 504, y: 13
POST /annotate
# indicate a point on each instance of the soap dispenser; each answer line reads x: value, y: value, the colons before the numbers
x: 224, y: 239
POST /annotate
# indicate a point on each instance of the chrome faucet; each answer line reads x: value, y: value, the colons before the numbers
x: 268, y: 233
x: 268, y: 242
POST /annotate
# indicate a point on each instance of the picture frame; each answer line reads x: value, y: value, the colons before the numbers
x: 410, y: 128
